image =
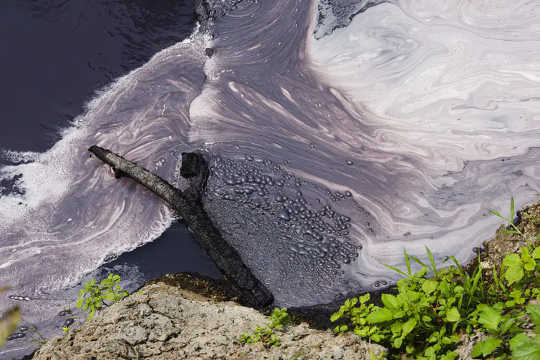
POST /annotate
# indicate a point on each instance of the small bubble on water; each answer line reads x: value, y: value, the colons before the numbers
x: 283, y: 214
x: 349, y: 162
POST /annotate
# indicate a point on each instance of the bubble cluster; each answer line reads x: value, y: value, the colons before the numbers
x: 273, y: 216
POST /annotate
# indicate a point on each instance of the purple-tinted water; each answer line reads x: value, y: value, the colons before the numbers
x: 56, y: 55
x: 340, y: 133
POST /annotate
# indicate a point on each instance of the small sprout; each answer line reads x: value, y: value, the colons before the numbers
x: 94, y: 296
x: 509, y: 220
x: 279, y: 319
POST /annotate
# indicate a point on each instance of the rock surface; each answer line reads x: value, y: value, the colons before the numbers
x: 162, y: 321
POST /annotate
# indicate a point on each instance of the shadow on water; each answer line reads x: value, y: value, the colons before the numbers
x: 174, y: 251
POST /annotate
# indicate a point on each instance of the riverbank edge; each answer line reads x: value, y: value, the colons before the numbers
x: 315, y: 318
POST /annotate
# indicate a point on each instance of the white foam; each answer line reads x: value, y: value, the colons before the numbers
x: 446, y: 83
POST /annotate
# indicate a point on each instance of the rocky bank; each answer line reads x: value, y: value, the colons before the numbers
x: 163, y: 321
x: 184, y: 317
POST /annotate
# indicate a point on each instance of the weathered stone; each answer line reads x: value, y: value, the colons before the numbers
x: 166, y: 322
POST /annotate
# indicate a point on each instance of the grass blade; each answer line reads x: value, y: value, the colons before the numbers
x: 512, y: 209
x: 432, y: 261
x: 476, y: 278
x: 396, y: 270
x: 498, y: 283
x: 407, y: 262
x: 460, y: 269
x: 417, y: 260
x: 496, y: 213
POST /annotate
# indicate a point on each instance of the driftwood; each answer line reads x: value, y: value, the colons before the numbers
x: 188, y: 204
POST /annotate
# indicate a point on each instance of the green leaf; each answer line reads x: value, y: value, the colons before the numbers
x: 453, y: 315
x: 390, y: 301
x: 429, y: 286
x: 528, y: 262
x: 498, y: 283
x: 336, y: 316
x: 476, y: 279
x: 506, y: 325
x: 407, y: 262
x: 396, y: 270
x: 534, y: 313
x: 421, y: 273
x: 408, y: 327
x: 496, y: 213
x: 485, y: 347
x: 524, y: 348
x: 349, y: 303
x: 364, y: 298
x: 418, y: 261
x: 362, y: 332
x: 489, y: 317
x: 536, y: 252
x: 458, y: 266
x: 379, y: 315
x: 514, y: 268
x: 450, y: 355
x: 396, y: 328
x: 432, y: 261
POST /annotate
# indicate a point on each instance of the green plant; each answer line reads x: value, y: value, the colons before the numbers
x: 8, y: 322
x: 373, y: 356
x: 432, y: 309
x: 421, y: 319
x: 94, y: 296
x: 509, y: 220
x: 522, y: 346
x: 278, y: 319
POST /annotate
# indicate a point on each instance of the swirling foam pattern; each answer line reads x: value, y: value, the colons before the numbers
x: 330, y: 154
x: 69, y: 214
x: 427, y: 116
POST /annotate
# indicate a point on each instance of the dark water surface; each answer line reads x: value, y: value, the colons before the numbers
x: 340, y: 133
x: 57, y: 53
